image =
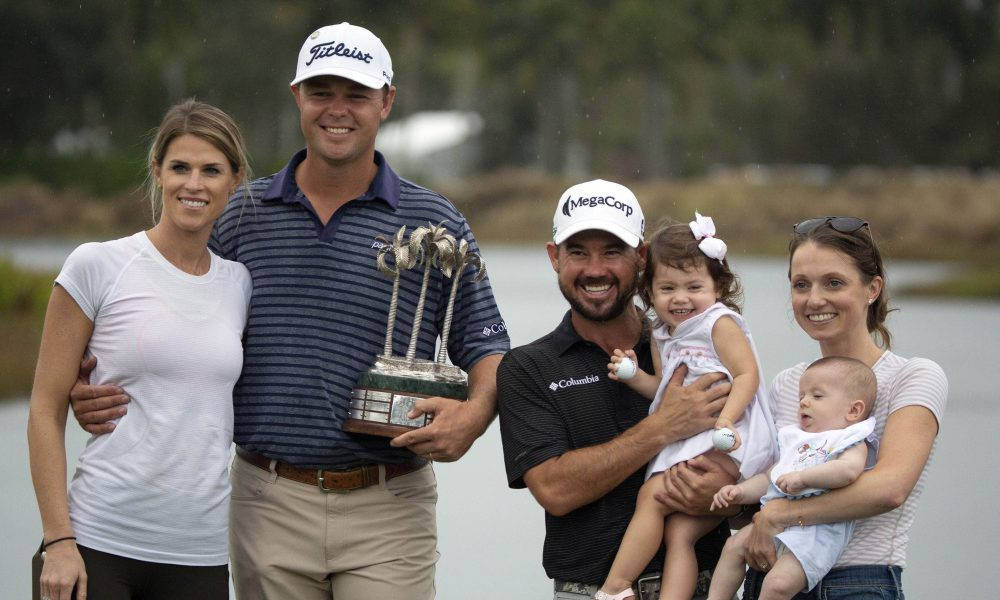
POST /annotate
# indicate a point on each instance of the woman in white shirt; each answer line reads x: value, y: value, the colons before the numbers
x: 147, y: 509
x: 839, y: 299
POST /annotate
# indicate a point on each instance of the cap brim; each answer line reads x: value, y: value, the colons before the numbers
x: 613, y: 228
x: 362, y: 78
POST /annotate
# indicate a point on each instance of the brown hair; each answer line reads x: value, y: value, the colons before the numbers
x: 674, y: 245
x: 857, y: 378
x: 207, y: 122
x: 860, y: 247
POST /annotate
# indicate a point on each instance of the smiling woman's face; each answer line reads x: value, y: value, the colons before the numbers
x: 829, y: 295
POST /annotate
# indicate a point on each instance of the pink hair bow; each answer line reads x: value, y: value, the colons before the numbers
x: 703, y: 229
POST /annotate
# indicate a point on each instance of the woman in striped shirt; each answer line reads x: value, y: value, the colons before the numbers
x: 839, y: 299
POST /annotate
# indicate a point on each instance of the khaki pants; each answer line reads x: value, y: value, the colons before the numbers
x: 291, y: 540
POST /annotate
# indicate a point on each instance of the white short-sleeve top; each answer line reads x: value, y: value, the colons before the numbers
x: 156, y: 488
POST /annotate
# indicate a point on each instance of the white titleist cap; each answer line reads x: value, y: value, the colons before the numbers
x: 599, y: 204
x: 347, y: 51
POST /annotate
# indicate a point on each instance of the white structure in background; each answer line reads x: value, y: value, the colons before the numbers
x: 433, y: 144
x: 86, y: 139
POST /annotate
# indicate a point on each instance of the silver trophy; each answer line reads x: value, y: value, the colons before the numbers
x: 386, y: 393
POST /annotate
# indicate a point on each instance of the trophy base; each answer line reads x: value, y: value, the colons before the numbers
x: 373, y: 428
x: 385, y: 395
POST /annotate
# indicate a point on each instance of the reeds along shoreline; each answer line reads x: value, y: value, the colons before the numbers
x: 937, y: 215
x: 919, y: 214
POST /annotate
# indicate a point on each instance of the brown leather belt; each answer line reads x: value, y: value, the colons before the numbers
x: 330, y: 481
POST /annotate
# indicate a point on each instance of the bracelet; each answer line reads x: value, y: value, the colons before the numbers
x: 801, y: 524
x: 57, y: 540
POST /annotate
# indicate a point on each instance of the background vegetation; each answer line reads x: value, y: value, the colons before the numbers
x: 758, y: 113
x: 633, y: 89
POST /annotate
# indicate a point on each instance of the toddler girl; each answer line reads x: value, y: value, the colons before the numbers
x: 688, y: 284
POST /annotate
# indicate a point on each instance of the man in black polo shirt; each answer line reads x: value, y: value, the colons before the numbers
x: 578, y: 440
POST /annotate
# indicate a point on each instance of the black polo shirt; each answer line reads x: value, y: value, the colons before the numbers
x: 554, y: 396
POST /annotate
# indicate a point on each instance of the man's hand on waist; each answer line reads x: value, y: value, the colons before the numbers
x: 95, y: 406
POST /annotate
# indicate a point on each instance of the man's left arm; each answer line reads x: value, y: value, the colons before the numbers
x: 456, y: 424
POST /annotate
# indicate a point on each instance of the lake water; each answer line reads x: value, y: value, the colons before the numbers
x: 491, y: 536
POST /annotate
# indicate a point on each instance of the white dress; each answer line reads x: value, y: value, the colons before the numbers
x: 817, y: 547
x: 691, y: 343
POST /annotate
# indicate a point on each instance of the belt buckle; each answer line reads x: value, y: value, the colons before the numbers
x: 648, y: 587
x: 326, y: 490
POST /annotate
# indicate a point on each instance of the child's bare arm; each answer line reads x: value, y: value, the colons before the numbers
x: 746, y: 492
x: 642, y: 382
x: 734, y: 350
x: 832, y: 474
x: 755, y: 487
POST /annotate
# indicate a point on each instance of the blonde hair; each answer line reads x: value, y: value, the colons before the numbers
x: 207, y: 122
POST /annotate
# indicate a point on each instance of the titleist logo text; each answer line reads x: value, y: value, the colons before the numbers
x: 337, y: 49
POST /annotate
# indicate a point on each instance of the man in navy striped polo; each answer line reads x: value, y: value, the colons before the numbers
x: 316, y: 511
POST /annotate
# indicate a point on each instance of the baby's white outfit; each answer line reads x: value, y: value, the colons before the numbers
x: 817, y: 547
x: 691, y: 343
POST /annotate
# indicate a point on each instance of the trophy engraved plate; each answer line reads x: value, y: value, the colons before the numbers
x: 384, y: 395
x: 401, y: 406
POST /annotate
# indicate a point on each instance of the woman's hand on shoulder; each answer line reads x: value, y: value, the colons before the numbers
x: 62, y: 571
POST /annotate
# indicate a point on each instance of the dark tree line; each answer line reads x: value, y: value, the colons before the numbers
x: 642, y: 88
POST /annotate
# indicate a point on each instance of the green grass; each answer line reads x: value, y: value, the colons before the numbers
x: 98, y: 175
x: 23, y: 298
x: 24, y: 293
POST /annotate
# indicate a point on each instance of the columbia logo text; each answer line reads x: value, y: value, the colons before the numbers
x: 572, y: 204
x: 337, y: 49
x: 565, y: 383
x: 495, y: 328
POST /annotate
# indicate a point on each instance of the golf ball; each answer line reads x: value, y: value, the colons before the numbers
x: 723, y: 439
x: 626, y: 369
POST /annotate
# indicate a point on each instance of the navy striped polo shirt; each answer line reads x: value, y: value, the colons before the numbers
x: 318, y: 313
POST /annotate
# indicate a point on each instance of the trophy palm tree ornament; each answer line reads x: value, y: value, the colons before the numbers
x: 457, y: 260
x: 403, y: 259
x: 386, y: 393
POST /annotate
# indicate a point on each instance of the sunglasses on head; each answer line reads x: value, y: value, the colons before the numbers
x: 841, y: 224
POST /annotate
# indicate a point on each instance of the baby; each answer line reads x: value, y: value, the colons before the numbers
x: 824, y: 451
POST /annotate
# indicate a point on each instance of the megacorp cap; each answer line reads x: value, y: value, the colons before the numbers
x: 599, y: 204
